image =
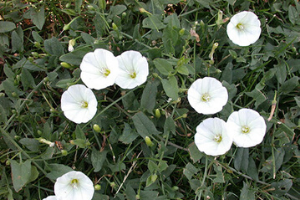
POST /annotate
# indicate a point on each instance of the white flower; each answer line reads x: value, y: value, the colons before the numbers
x: 79, y: 103
x: 246, y: 127
x: 99, y: 69
x: 74, y: 186
x: 244, y: 28
x: 207, y: 95
x: 71, y: 45
x: 50, y: 198
x: 134, y: 69
x: 212, y: 137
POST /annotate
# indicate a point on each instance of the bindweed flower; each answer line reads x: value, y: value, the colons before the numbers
x: 99, y: 69
x: 79, y: 104
x: 50, y: 198
x: 74, y: 186
x: 207, y: 95
x: 133, y: 69
x: 244, y: 28
x: 246, y: 127
x: 71, y: 45
x: 212, y: 137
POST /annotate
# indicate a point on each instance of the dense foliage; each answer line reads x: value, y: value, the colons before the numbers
x: 140, y: 144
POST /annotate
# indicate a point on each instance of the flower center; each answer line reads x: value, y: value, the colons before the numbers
x: 133, y: 75
x: 245, y: 129
x: 74, y: 183
x: 218, y: 138
x: 84, y: 104
x: 240, y: 26
x: 106, y: 72
x: 205, y: 97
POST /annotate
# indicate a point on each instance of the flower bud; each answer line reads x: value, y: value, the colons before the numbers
x: 65, y: 65
x: 66, y: 27
x: 68, y: 5
x: 35, y: 54
x: 14, y: 94
x: 181, y: 32
x: 97, y: 128
x: 30, y: 59
x: 64, y: 152
x: 7, y: 162
x: 97, y: 187
x: 39, y: 132
x: 157, y: 113
x: 148, y: 141
x: 175, y: 188
x: 37, y: 44
x: 114, y: 26
x: 153, y: 178
x: 90, y: 7
x: 137, y: 196
x: 124, y: 14
x: 71, y: 45
x: 112, y: 184
x: 102, y: 4
x: 2, y: 94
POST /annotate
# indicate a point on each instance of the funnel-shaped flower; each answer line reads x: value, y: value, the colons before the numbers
x: 79, y: 104
x: 99, y: 69
x: 212, y: 137
x: 246, y: 127
x: 133, y: 69
x: 74, y: 186
x: 244, y: 28
x: 207, y: 95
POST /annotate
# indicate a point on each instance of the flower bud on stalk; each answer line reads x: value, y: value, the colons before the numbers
x: 97, y: 128
x: 157, y: 113
x: 148, y: 141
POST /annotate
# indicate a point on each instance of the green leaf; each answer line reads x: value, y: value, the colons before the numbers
x: 289, y: 85
x: 170, y: 37
x: 281, y: 72
x: 258, y: 96
x: 252, y: 169
x: 116, y: 10
x: 144, y: 125
x: 148, y: 99
x: 204, y: 3
x: 79, y: 133
x: 171, y: 87
x: 98, y: 159
x: 27, y: 79
x: 220, y: 176
x: 37, y: 37
x: 6, y: 26
x: 65, y: 83
x: 282, y: 187
x: 194, y: 152
x: 16, y: 42
x: 293, y: 15
x: 57, y: 170
x: 153, y: 22
x: 241, y: 159
x: 21, y: 173
x: 183, y: 70
x: 129, y: 192
x: 8, y: 72
x: 152, y: 166
x: 169, y: 126
x: 148, y: 195
x: 128, y: 134
x: 297, y: 99
x: 75, y: 57
x: 247, y: 194
x: 163, y: 66
x: 54, y: 47
x: 189, y: 171
x: 38, y: 17
x: 78, y: 4
x: 34, y: 174
x: 30, y: 143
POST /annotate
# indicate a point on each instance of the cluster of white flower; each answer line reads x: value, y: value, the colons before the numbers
x: 73, y: 185
x: 100, y: 69
x: 244, y: 128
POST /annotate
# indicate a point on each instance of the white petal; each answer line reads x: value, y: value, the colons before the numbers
x: 211, y: 86
x: 71, y: 104
x: 251, y: 32
x: 50, y: 198
x: 93, y: 67
x: 205, y: 134
x: 251, y: 119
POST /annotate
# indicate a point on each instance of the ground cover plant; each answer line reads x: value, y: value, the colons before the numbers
x: 152, y: 99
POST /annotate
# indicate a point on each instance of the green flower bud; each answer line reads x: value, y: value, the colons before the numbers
x: 97, y: 128
x: 37, y: 44
x: 97, y: 187
x: 124, y: 15
x: 64, y: 152
x: 30, y: 59
x: 2, y: 94
x: 46, y: 79
x: 7, y: 162
x: 39, y: 132
x: 68, y: 5
x: 65, y: 65
x: 175, y: 188
x: 14, y: 94
x: 137, y: 196
x: 157, y: 113
x: 102, y: 4
x: 66, y: 27
x: 181, y: 32
x: 112, y: 184
x: 153, y: 178
x: 35, y: 54
x: 90, y: 7
x: 148, y: 141
x: 114, y: 26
